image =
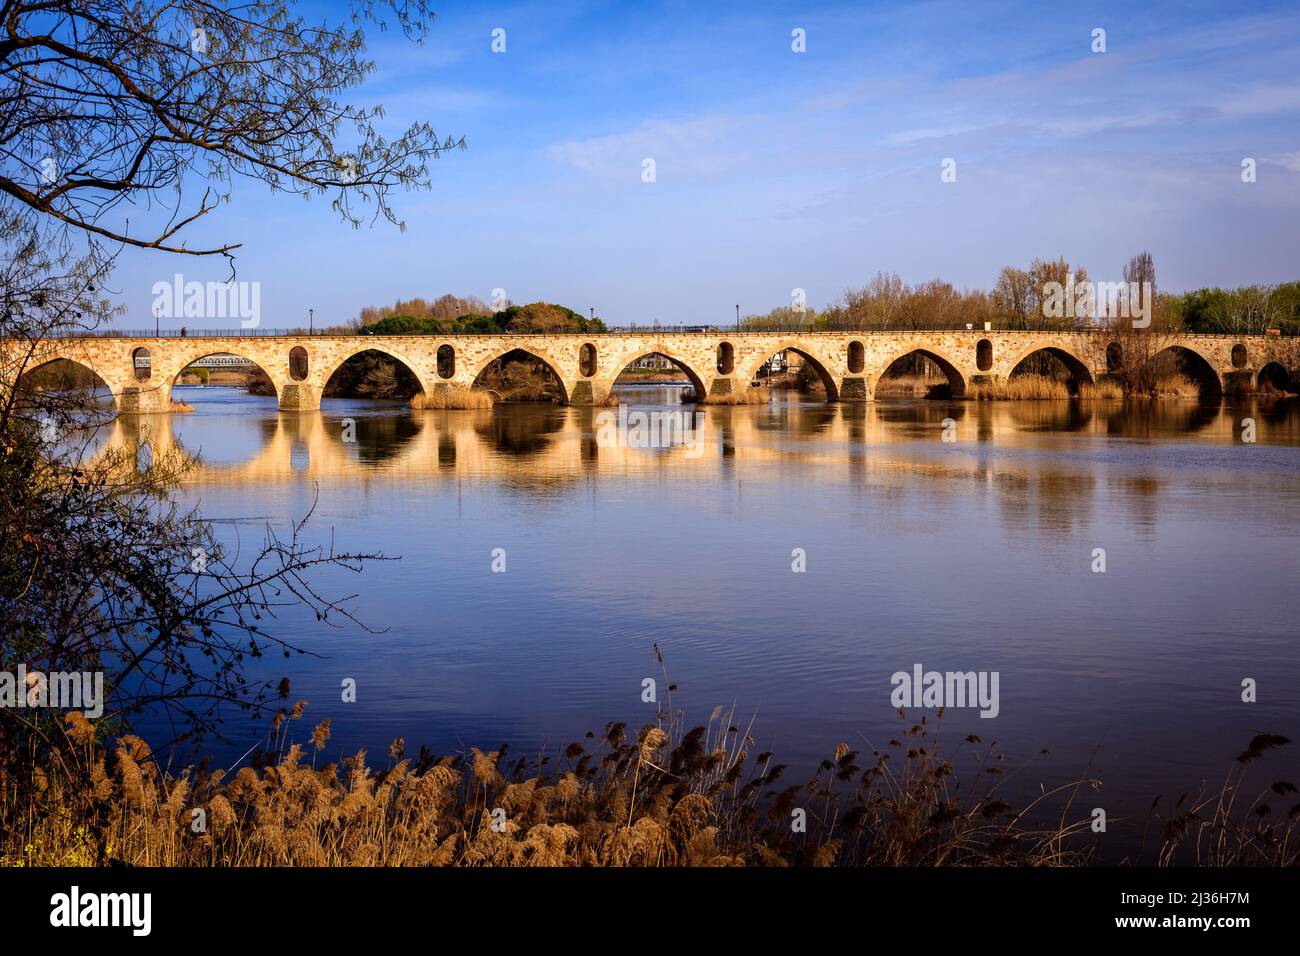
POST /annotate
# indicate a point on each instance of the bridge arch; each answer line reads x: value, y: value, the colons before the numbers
x: 818, y: 364
x: 1275, y: 376
x: 1114, y: 357
x: 623, y: 361
x: 366, y: 344
x: 1196, y: 366
x: 956, y: 381
x: 1080, y: 373
x: 176, y: 368
x: 542, y: 355
x: 857, y: 357
x: 41, y: 368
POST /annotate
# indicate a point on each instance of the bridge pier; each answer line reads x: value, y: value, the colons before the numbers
x: 299, y: 397
x: 854, y: 388
x: 587, y: 391
x: 134, y: 400
x: 1238, y: 382
x: 719, y: 388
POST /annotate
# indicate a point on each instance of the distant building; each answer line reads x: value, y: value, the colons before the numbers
x: 222, y: 361
x: 654, y: 361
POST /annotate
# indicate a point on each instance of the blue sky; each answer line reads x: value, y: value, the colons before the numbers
x: 778, y: 170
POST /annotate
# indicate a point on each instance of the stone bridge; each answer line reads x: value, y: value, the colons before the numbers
x: 140, y: 372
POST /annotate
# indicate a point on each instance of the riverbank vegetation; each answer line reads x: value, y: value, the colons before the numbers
x: 759, y: 395
x: 1021, y: 388
x: 451, y: 315
x: 1016, y: 301
x: 667, y: 794
x: 452, y: 397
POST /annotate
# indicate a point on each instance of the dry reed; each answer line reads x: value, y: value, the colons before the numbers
x: 1019, y: 388
x: 665, y: 796
x: 753, y: 395
x: 1107, y: 388
x: 1176, y: 386
x: 452, y: 397
x: 911, y: 386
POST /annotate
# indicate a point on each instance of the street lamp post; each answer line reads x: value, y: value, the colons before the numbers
x: 737, y: 316
x: 311, y: 321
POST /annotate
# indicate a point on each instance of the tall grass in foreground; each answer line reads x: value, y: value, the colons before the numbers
x: 1176, y: 386
x: 759, y: 395
x: 663, y: 796
x: 912, y: 386
x: 1106, y: 388
x: 452, y: 396
x: 1019, y: 388
x: 1029, y: 387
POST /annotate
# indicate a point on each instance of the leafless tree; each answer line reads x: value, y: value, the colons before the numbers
x: 1014, y: 298
x: 109, y: 110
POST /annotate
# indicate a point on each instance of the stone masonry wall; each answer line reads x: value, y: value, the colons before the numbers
x: 701, y: 355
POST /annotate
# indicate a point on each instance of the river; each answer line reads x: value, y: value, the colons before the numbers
x: 976, y: 553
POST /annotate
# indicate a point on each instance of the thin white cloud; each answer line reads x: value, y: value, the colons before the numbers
x: 1289, y: 161
x: 908, y: 136
x: 697, y: 147
x: 1260, y: 100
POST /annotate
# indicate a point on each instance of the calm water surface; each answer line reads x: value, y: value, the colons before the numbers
x: 970, y: 555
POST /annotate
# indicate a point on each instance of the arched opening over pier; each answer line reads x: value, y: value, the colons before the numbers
x: 919, y: 373
x: 1273, y: 377
x: 795, y: 369
x: 1056, y: 364
x: 655, y: 375
x: 519, y: 375
x: 1178, y: 360
x: 63, y: 383
x: 213, y: 370
x: 60, y: 375
x: 373, y: 374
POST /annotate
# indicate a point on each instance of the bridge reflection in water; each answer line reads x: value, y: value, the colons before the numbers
x: 552, y: 445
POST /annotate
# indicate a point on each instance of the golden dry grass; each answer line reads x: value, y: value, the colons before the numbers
x: 910, y: 386
x: 664, y: 797
x: 1019, y: 388
x: 1040, y: 387
x: 452, y: 397
x: 1105, y: 389
x: 1176, y: 386
x: 752, y: 395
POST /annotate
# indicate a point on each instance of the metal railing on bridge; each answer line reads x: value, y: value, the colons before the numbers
x: 634, y: 329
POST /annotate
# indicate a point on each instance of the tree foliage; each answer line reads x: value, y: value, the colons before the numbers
x: 535, y: 317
